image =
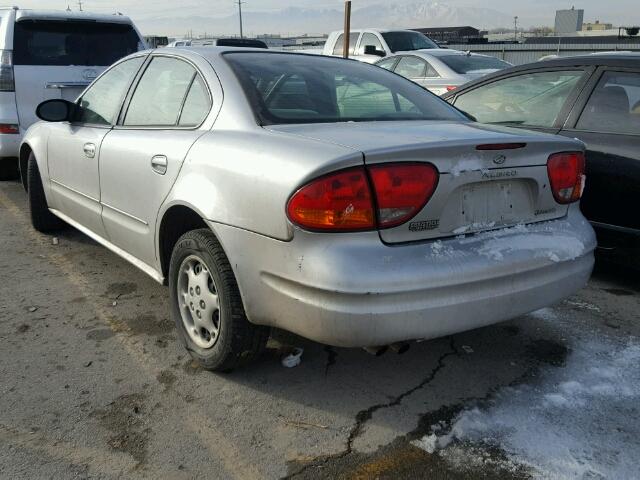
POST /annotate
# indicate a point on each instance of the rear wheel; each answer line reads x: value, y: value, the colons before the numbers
x: 41, y: 218
x: 206, y: 305
x: 9, y: 168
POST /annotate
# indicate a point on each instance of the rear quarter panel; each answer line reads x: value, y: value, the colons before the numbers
x: 244, y: 178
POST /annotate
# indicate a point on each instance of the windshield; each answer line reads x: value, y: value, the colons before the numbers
x: 407, y: 41
x: 472, y: 63
x: 290, y: 88
x: 72, y: 42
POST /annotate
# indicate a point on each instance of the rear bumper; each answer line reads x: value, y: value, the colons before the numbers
x: 351, y: 290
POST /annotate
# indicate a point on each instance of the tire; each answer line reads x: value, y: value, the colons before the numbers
x: 41, y: 218
x: 9, y: 168
x: 218, y: 339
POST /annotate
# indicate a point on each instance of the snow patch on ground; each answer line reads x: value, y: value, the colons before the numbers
x: 580, y: 421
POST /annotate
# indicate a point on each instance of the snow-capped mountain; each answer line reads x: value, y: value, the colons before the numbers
x: 296, y: 20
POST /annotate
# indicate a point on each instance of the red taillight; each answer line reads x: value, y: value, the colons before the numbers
x: 343, y: 201
x: 340, y: 201
x: 9, y: 128
x: 402, y: 190
x: 566, y: 175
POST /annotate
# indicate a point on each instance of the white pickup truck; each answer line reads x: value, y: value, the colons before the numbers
x: 369, y: 45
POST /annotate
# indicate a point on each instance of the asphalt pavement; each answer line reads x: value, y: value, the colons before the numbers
x: 94, y: 384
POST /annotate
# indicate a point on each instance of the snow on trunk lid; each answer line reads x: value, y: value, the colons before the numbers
x: 479, y: 190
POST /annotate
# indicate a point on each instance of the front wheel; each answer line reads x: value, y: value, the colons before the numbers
x: 207, y: 307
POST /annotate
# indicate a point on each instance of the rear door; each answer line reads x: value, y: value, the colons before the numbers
x: 74, y: 148
x: 607, y: 119
x: 59, y: 58
x: 141, y: 158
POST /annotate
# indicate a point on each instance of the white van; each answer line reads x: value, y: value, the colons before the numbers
x: 51, y: 54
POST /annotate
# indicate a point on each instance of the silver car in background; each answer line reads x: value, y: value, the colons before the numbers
x: 319, y: 195
x: 442, y: 70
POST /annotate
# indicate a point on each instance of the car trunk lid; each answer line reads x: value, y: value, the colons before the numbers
x: 490, y: 177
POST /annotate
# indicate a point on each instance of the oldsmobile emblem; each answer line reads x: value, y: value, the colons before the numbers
x: 499, y: 159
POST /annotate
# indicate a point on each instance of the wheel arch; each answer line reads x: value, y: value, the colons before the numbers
x: 176, y: 220
x: 23, y: 159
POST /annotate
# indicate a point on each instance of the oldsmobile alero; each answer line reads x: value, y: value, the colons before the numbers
x: 318, y: 195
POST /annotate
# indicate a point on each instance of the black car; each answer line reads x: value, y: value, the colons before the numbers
x: 595, y: 98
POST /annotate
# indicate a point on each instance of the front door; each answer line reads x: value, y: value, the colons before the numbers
x: 74, y: 148
x: 141, y: 158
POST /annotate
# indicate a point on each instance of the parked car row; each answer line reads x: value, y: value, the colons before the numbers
x: 330, y: 198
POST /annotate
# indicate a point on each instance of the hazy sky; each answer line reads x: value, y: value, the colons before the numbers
x: 531, y: 12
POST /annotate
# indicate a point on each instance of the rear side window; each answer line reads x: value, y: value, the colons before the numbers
x: 196, y: 106
x: 533, y: 99
x: 160, y: 93
x: 411, y: 67
x: 387, y: 63
x: 101, y: 102
x: 339, y: 46
x: 72, y: 43
x: 614, y: 106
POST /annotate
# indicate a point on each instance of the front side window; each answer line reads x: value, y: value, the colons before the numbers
x: 614, y: 106
x: 100, y: 104
x: 411, y: 67
x: 339, y: 46
x: 160, y: 93
x: 44, y: 42
x: 288, y: 88
x: 372, y: 40
x: 407, y: 41
x: 387, y: 63
x: 533, y: 99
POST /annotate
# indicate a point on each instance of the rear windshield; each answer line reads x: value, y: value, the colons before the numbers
x: 472, y: 63
x: 72, y: 43
x: 292, y: 88
x: 407, y: 41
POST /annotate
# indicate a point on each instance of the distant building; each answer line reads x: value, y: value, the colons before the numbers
x: 569, y: 21
x: 451, y: 34
x: 596, y: 26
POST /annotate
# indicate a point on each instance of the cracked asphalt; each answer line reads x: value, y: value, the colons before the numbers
x: 95, y: 385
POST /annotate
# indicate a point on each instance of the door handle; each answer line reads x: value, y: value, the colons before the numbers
x: 89, y: 150
x: 159, y: 164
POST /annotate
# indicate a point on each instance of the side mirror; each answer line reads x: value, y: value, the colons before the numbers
x: 372, y: 50
x: 56, y: 110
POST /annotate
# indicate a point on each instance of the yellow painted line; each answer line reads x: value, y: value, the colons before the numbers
x: 221, y: 448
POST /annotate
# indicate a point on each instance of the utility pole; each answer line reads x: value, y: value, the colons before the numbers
x: 80, y: 4
x: 240, y: 2
x: 347, y: 29
x: 515, y: 28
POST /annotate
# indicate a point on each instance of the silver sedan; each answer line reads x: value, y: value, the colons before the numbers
x: 319, y: 195
x: 442, y: 70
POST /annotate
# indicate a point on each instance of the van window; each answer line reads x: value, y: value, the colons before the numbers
x: 38, y: 42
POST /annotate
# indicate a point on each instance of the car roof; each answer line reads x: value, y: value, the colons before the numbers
x: 615, y: 59
x: 28, y: 14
